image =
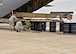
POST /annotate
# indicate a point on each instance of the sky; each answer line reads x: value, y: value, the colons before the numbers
x: 60, y: 6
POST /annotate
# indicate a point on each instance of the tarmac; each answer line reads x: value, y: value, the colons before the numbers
x: 34, y: 42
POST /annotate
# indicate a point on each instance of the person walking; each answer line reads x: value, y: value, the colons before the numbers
x: 12, y: 20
